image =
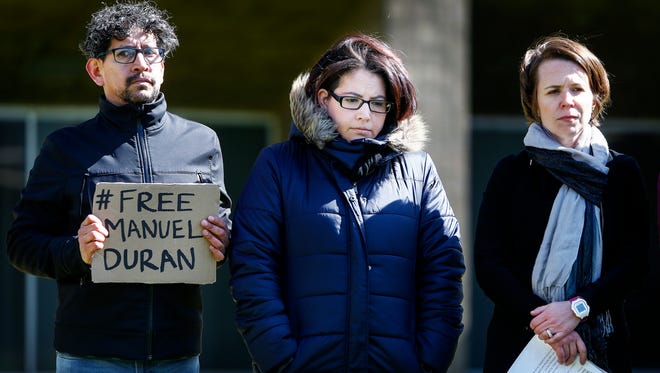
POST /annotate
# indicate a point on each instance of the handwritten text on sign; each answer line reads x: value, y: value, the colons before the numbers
x: 155, y: 233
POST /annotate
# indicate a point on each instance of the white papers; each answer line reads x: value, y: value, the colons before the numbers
x: 539, y: 357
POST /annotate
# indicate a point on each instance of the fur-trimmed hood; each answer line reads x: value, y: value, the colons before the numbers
x: 318, y: 128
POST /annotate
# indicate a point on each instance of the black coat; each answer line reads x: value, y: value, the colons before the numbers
x: 127, y: 144
x: 510, y: 227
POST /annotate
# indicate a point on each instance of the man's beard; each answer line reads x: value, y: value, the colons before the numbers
x: 139, y: 96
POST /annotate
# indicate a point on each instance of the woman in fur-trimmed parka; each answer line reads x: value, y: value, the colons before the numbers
x: 345, y: 253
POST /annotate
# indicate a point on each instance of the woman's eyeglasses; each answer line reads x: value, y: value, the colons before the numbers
x: 354, y: 103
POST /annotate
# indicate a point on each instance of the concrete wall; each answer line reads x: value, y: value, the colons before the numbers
x: 434, y: 38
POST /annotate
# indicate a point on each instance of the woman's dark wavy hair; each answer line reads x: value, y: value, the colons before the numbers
x: 363, y: 51
x: 121, y: 19
x: 561, y: 47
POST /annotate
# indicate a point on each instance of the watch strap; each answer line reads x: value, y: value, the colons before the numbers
x: 582, y: 319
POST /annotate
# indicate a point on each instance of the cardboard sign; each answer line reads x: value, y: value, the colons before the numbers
x: 155, y: 233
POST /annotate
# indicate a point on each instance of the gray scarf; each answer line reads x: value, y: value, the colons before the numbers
x: 571, y: 252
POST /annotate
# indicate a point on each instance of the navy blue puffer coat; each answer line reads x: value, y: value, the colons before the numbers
x: 333, y: 272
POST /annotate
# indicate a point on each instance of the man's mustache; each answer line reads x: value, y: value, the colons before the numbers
x: 131, y: 79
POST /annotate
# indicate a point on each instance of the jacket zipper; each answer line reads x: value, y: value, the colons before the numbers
x: 150, y: 324
x: 143, y: 153
x: 82, y: 196
x: 145, y: 162
x: 80, y: 209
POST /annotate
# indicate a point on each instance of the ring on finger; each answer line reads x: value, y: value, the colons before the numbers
x: 549, y: 332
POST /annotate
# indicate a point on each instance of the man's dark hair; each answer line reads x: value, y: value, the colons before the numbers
x: 120, y: 20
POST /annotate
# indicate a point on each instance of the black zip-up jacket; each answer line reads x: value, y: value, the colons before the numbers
x: 124, y: 144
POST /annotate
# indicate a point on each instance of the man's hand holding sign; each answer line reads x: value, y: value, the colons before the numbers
x: 151, y: 233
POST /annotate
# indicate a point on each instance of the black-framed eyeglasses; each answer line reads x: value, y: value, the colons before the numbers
x: 128, y: 55
x: 354, y: 103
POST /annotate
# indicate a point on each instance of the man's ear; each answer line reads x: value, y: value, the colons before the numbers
x: 94, y: 67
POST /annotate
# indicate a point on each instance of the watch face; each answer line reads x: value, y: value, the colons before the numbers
x: 580, y: 308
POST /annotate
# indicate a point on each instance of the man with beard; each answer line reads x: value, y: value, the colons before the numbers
x: 118, y: 327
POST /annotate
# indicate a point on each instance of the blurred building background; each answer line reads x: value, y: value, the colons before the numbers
x: 233, y: 71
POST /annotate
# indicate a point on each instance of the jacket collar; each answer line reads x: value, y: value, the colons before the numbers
x: 314, y: 125
x: 127, y: 116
